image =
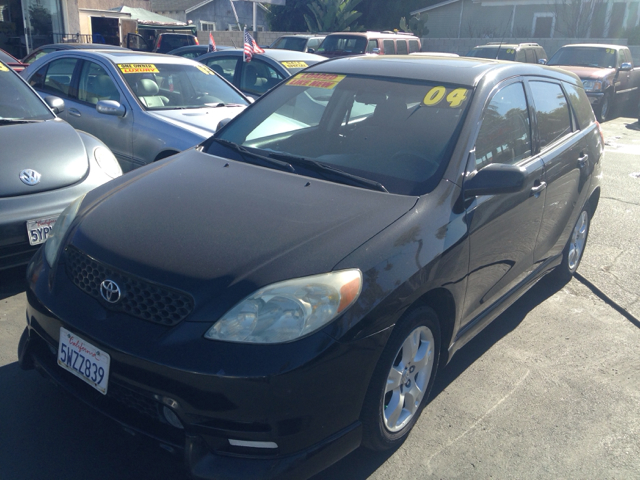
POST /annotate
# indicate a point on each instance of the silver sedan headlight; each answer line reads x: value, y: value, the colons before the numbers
x: 64, y: 221
x: 592, y: 85
x: 288, y: 310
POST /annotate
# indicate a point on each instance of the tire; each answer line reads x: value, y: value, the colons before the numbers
x: 574, y: 250
x: 605, y: 111
x: 402, y: 380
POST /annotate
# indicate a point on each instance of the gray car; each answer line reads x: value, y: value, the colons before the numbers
x: 44, y: 166
x: 144, y: 106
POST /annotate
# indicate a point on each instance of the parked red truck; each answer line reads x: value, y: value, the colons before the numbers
x: 607, y: 73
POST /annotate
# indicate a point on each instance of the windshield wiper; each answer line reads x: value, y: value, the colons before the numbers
x: 330, y: 172
x: 9, y: 121
x: 262, y: 160
x: 222, y: 104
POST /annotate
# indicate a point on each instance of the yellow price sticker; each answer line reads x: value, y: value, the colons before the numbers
x: 3, y: 67
x: 316, y: 80
x: 455, y: 98
x: 138, y: 68
x: 204, y: 69
x: 511, y: 50
x: 294, y: 64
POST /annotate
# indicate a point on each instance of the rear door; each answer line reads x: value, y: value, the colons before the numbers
x: 568, y: 150
x: 503, y: 228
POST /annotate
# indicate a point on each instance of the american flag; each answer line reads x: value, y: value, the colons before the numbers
x: 212, y: 44
x: 250, y: 47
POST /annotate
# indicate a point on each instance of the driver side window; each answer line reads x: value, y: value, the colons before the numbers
x: 505, y: 133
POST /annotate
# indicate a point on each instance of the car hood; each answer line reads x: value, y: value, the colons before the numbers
x: 220, y: 229
x: 588, y: 73
x: 201, y: 121
x: 52, y: 148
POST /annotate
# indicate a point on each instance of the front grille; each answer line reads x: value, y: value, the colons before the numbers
x: 139, y: 298
x: 133, y: 400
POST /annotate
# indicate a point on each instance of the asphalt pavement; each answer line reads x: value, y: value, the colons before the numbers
x: 551, y: 389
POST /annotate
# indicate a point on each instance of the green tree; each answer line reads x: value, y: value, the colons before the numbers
x: 40, y: 20
x: 333, y: 16
x: 290, y: 17
x: 384, y: 14
x: 417, y: 25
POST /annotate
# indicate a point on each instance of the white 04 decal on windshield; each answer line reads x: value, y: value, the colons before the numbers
x: 455, y: 98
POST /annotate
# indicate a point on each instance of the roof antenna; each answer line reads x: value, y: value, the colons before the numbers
x: 503, y: 36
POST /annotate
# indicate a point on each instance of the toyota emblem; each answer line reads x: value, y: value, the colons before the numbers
x: 110, y: 291
x: 29, y: 177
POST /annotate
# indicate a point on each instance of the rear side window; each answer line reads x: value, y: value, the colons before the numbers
x: 414, y: 46
x: 520, y: 56
x: 58, y: 77
x: 529, y: 56
x: 554, y: 118
x: 401, y: 46
x: 505, y: 133
x: 580, y: 103
x: 389, y: 47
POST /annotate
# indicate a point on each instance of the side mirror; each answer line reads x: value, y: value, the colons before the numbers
x: 542, y: 61
x: 311, y: 50
x: 222, y: 123
x: 55, y: 103
x: 495, y: 179
x: 376, y: 51
x: 625, y: 67
x: 110, y: 107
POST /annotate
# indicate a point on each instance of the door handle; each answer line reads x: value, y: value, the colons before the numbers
x: 75, y: 112
x: 582, y: 161
x: 538, y: 188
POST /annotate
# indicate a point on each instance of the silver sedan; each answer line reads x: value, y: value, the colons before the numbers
x: 144, y: 106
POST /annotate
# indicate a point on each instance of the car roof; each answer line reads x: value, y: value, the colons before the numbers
x: 385, y: 35
x: 73, y: 46
x: 279, y: 55
x: 467, y: 71
x: 130, y: 56
x: 599, y: 45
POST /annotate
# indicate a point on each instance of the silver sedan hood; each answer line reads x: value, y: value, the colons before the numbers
x: 201, y: 121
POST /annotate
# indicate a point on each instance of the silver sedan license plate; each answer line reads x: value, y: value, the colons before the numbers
x: 84, y: 360
x: 39, y: 229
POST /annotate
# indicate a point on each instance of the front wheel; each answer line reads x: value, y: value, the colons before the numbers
x: 402, y: 380
x: 605, y: 112
x: 573, y: 251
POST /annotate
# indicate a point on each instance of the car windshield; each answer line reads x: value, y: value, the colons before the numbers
x: 290, y: 43
x: 170, y: 86
x: 503, y: 53
x: 342, y: 44
x: 394, y: 132
x: 19, y: 102
x: 598, y: 57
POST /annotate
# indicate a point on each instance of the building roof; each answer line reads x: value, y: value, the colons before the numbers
x: 173, y: 5
x: 145, y: 16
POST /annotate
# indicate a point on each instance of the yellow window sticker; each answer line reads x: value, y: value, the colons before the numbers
x: 204, y: 69
x: 454, y: 98
x: 317, y: 80
x: 138, y: 68
x: 294, y: 64
x: 3, y: 67
x: 511, y: 50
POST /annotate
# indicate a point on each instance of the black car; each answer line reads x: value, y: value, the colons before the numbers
x: 194, y: 51
x: 288, y: 290
x: 56, y: 47
x: 44, y: 166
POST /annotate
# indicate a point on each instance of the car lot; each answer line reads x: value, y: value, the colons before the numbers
x: 550, y: 389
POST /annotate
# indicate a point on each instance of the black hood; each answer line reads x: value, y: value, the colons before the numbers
x: 214, y: 227
x: 52, y: 148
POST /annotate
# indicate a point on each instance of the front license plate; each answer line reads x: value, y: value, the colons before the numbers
x: 85, y: 361
x: 39, y: 229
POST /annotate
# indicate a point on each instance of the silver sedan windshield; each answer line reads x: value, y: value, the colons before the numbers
x: 171, y: 86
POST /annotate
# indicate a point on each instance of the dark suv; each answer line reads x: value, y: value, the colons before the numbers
x: 520, y: 52
x: 289, y: 289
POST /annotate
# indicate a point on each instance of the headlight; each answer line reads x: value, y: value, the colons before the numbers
x: 52, y: 245
x: 107, y: 162
x: 289, y: 310
x: 592, y: 85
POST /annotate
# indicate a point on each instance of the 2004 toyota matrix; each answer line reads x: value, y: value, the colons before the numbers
x: 287, y: 290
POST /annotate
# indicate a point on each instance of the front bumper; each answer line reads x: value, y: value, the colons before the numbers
x: 308, y: 404
x: 595, y: 98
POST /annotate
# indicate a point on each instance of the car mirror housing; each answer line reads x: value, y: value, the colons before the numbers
x: 542, y: 61
x: 626, y: 66
x: 55, y: 103
x: 111, y: 107
x: 495, y: 179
